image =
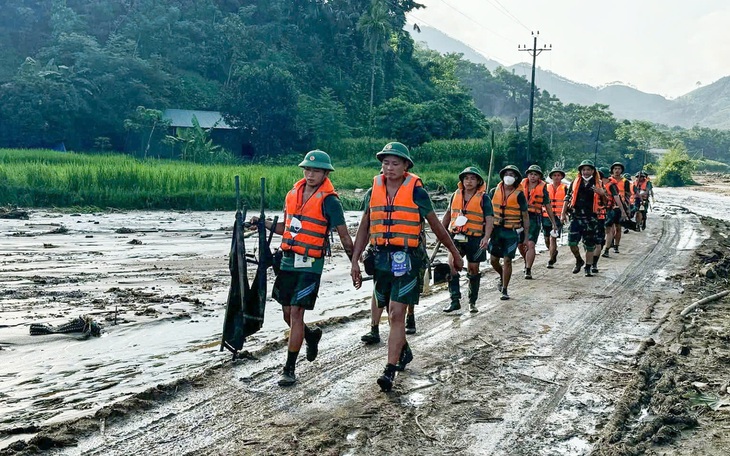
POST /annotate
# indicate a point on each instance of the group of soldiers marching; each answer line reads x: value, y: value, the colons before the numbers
x: 391, y: 244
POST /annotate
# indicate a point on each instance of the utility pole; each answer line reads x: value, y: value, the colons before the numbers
x: 595, y: 150
x: 534, y: 52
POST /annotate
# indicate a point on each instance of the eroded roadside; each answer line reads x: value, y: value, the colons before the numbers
x: 678, y: 401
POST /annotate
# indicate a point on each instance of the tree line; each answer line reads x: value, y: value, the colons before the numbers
x: 290, y: 75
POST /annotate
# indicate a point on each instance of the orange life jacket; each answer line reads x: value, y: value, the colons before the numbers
x: 610, y: 202
x: 621, y: 185
x: 507, y: 212
x: 473, y: 212
x: 557, y: 199
x: 575, y: 185
x: 534, y: 197
x: 638, y: 188
x: 395, y: 221
x: 311, y: 238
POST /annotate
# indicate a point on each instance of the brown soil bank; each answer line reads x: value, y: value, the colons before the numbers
x: 679, y: 400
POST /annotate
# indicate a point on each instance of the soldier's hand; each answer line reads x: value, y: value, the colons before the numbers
x: 456, y: 263
x: 356, y: 275
x: 484, y: 243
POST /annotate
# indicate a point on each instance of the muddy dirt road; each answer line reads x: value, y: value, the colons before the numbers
x: 550, y: 372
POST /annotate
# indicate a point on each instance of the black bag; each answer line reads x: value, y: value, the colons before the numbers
x: 276, y: 262
x: 628, y: 223
x: 368, y: 261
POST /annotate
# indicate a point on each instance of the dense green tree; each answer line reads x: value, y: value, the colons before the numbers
x: 262, y: 102
x: 321, y: 120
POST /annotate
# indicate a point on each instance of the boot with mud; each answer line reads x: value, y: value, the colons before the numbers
x: 455, y: 292
x: 474, y: 281
x: 588, y: 271
x: 553, y: 260
x: 615, y: 249
x: 372, y: 337
x: 386, y: 380
x: 312, y: 337
x: 411, y: 324
x: 406, y: 356
x: 505, y: 295
x: 578, y: 265
x: 605, y: 253
x: 594, y: 267
x: 287, y: 378
x: 528, y: 273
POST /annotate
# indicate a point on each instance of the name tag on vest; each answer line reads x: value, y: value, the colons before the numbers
x: 400, y: 263
x: 301, y: 261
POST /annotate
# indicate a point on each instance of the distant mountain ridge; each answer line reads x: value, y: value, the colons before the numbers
x: 707, y: 106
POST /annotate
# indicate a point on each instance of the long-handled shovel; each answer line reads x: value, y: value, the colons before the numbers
x: 427, y: 274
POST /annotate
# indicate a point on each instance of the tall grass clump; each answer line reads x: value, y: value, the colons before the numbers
x: 675, y: 168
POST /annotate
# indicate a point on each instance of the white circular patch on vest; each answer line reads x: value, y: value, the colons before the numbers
x: 461, y: 220
x: 295, y: 226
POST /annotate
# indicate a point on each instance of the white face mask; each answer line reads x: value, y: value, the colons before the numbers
x: 508, y: 180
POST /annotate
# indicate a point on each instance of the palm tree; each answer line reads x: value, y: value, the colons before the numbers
x: 375, y: 25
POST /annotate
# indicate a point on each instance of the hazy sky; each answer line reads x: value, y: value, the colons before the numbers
x: 657, y: 46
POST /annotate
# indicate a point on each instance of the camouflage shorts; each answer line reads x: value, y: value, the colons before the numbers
x: 601, y: 232
x: 583, y: 229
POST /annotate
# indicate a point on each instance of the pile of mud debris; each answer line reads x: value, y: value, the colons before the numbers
x: 679, y: 399
x: 12, y: 212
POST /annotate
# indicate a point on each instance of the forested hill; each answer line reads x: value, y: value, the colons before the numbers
x: 75, y: 70
x: 288, y: 75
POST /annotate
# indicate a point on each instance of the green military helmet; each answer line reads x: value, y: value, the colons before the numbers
x: 604, y: 172
x: 627, y: 176
x: 586, y: 163
x: 511, y: 168
x: 397, y: 149
x: 317, y: 159
x: 471, y: 170
x: 615, y: 164
x: 556, y: 170
x: 534, y: 168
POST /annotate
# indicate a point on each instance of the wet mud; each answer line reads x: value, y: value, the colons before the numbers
x: 569, y: 366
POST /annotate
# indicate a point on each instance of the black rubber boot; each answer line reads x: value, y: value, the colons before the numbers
x: 386, y: 380
x: 411, y: 324
x: 455, y: 292
x: 473, y: 291
x: 578, y: 265
x: 373, y: 337
x: 312, y: 337
x: 406, y: 356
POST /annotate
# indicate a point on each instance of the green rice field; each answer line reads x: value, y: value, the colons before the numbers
x: 44, y: 178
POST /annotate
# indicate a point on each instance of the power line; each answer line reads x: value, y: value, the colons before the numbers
x: 507, y: 12
x: 534, y: 52
x: 490, y: 55
x: 474, y: 21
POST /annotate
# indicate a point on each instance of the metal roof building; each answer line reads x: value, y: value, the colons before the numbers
x: 206, y: 119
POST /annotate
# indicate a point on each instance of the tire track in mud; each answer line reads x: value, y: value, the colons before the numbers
x: 240, y: 410
x: 573, y: 344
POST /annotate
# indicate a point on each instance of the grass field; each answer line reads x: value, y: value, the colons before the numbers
x: 44, y: 178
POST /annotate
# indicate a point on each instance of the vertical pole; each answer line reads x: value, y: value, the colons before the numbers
x: 532, y: 100
x: 238, y: 193
x: 491, y: 162
x: 595, y: 150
